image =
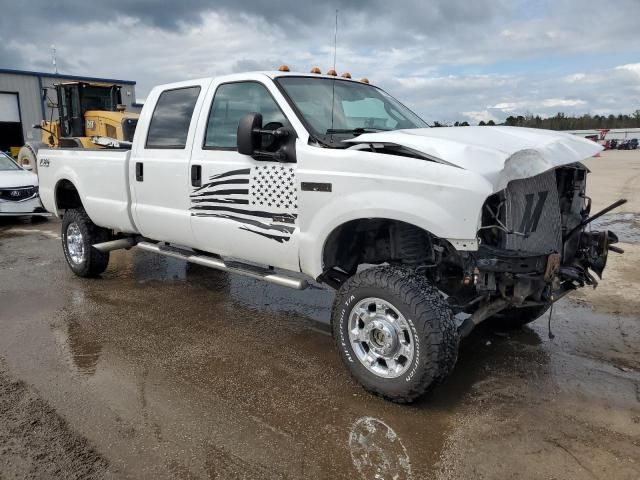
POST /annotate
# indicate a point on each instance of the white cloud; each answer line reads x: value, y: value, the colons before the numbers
x: 562, y: 102
x: 484, y: 115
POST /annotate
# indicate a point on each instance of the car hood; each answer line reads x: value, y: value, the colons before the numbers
x: 500, y: 154
x: 17, y: 178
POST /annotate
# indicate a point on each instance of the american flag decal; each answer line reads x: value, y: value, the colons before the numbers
x: 261, y: 198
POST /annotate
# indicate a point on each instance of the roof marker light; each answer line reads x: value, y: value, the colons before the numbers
x: 284, y: 68
x: 332, y: 72
x: 364, y: 80
x: 316, y: 70
x: 346, y: 75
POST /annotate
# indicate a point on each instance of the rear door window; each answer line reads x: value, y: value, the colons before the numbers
x: 171, y: 118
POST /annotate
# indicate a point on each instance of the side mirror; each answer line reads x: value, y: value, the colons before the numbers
x: 250, y: 140
x: 248, y: 133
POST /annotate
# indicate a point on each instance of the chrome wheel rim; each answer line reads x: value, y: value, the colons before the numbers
x: 75, y: 243
x: 381, y: 337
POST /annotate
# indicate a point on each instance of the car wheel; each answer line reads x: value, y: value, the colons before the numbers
x: 79, y: 234
x: 394, y: 332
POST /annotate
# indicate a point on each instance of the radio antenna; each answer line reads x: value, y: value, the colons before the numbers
x: 333, y: 89
x: 335, y: 41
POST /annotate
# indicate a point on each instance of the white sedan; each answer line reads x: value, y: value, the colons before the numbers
x: 18, y: 190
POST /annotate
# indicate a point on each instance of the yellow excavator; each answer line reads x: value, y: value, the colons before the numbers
x: 90, y: 115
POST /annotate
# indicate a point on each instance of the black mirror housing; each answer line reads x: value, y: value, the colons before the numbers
x: 248, y: 139
x: 250, y: 136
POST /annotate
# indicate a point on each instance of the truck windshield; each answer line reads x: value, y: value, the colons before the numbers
x: 334, y: 109
x: 7, y: 163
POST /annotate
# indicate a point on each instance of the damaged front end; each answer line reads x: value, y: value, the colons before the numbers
x: 535, y: 246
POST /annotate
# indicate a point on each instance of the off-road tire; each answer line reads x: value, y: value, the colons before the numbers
x: 429, y: 317
x: 514, y: 318
x: 94, y: 262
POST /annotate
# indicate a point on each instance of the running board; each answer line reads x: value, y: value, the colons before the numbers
x: 219, y: 264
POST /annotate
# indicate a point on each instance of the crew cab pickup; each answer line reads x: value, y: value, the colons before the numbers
x: 424, y: 232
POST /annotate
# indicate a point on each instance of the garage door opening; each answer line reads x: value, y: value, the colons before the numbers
x: 10, y: 123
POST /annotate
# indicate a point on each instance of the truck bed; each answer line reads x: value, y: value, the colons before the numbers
x: 101, y: 177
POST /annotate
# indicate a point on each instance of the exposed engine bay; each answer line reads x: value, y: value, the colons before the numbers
x: 535, y: 246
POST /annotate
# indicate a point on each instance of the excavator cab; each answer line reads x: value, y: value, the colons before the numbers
x: 75, y: 99
x: 90, y: 115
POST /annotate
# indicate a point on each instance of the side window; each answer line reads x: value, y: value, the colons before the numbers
x: 171, y: 118
x: 231, y: 102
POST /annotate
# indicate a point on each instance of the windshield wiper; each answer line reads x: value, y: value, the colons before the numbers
x: 355, y: 131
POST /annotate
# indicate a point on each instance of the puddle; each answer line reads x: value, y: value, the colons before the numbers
x: 625, y: 225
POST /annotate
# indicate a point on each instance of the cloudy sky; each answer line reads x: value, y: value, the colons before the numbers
x: 447, y: 59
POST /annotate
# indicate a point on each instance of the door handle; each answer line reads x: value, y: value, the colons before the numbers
x: 139, y: 172
x: 196, y: 175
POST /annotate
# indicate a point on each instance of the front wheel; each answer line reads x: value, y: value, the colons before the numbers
x: 79, y: 234
x: 394, y: 332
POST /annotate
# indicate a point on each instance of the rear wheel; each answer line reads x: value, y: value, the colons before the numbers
x: 513, y: 318
x: 79, y: 234
x: 394, y: 332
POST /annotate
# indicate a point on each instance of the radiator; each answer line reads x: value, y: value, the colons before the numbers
x: 532, y: 208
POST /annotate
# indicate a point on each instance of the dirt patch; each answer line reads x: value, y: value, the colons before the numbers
x: 617, y: 293
x: 35, y: 442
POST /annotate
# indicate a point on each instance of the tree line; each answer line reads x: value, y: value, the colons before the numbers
x: 560, y: 121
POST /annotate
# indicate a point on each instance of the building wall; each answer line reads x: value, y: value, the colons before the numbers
x: 29, y: 97
x: 33, y: 110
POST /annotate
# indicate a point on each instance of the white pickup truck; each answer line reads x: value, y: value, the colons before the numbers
x: 424, y: 232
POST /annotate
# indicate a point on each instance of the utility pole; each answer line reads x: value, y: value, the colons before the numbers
x: 53, y: 59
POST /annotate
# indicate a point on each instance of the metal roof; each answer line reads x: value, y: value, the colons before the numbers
x: 65, y: 77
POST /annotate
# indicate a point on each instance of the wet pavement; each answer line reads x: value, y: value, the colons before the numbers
x: 625, y: 225
x: 176, y: 371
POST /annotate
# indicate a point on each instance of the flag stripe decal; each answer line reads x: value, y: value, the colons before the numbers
x: 233, y: 181
x: 270, y: 198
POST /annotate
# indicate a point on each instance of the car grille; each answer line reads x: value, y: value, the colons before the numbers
x: 17, y: 194
x: 533, y: 209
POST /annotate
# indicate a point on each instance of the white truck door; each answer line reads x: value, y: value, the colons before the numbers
x: 239, y: 206
x: 160, y: 164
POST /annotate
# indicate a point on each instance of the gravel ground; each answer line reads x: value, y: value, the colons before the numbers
x: 36, y: 442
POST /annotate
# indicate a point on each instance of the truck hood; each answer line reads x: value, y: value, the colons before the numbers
x: 500, y: 154
x: 17, y: 178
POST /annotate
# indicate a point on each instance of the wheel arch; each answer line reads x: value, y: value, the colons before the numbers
x: 355, y: 228
x: 66, y: 196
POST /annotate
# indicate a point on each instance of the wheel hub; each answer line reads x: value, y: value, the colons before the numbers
x: 75, y: 243
x: 381, y: 337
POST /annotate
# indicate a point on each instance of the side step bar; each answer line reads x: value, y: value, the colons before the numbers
x: 126, y: 242
x: 219, y: 264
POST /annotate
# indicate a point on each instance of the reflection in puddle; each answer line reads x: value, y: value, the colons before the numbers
x: 85, y: 351
x: 377, y: 452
